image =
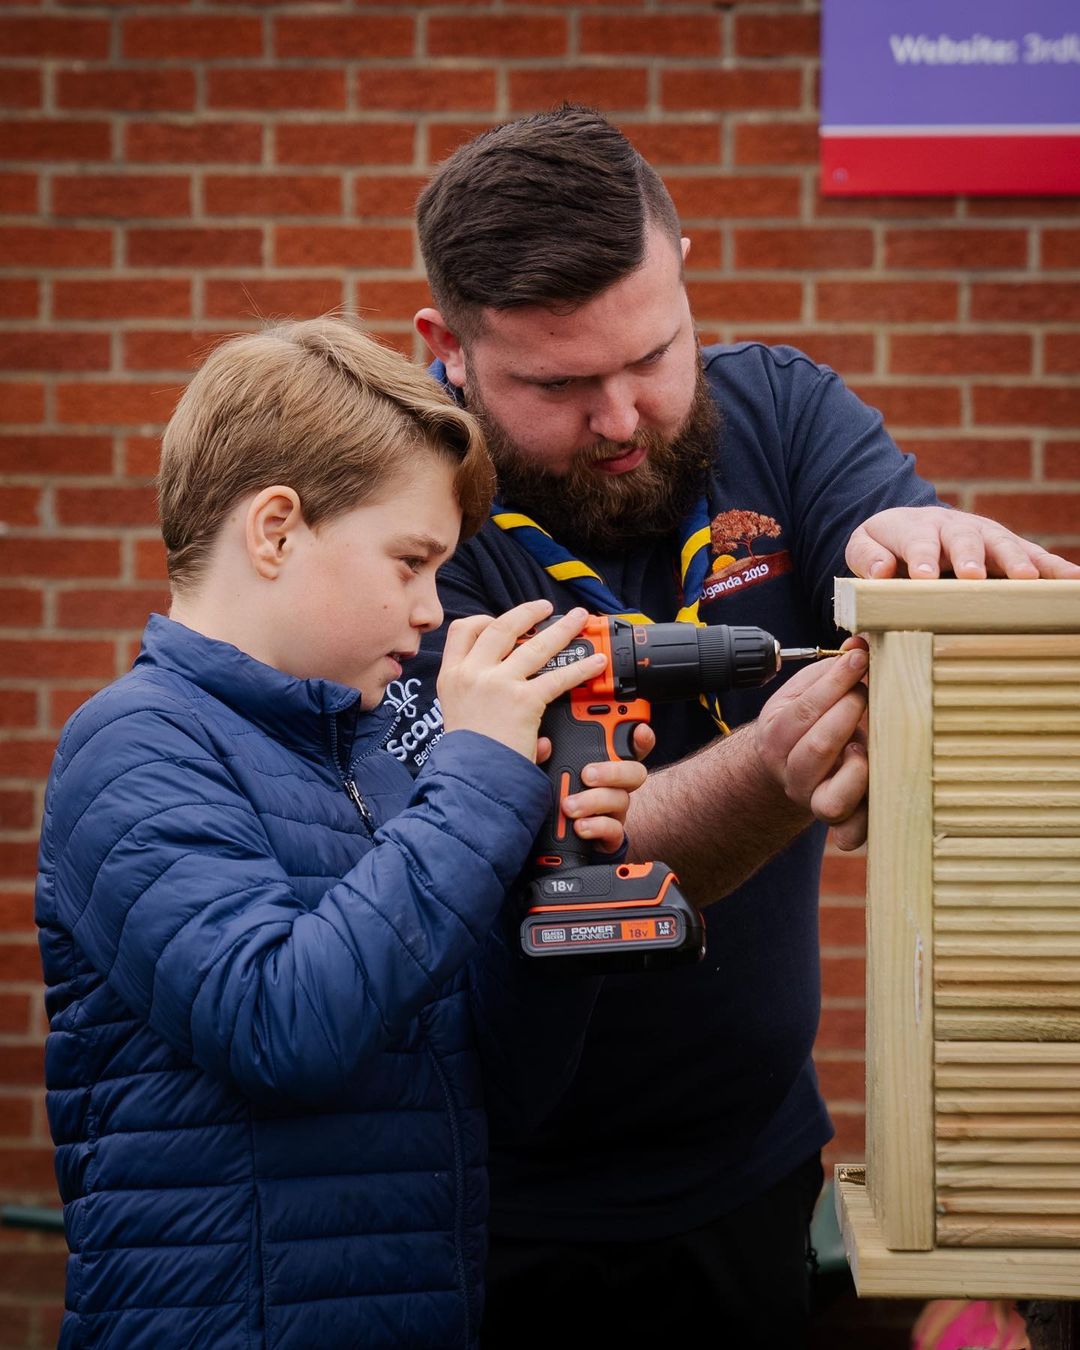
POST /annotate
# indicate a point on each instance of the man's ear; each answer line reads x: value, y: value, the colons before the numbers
x: 685, y: 245
x: 273, y: 516
x: 442, y: 343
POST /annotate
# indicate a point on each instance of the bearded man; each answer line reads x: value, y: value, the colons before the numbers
x: 668, y: 1196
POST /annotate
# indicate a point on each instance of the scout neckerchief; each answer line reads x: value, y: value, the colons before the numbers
x: 592, y: 590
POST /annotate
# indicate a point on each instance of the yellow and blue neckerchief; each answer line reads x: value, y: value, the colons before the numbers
x: 592, y: 590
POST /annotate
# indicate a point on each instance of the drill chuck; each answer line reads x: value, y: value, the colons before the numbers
x: 667, y: 661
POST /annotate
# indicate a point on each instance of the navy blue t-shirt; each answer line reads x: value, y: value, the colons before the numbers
x: 696, y: 1090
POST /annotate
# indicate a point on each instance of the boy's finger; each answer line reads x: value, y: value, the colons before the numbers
x: 603, y: 832
x: 562, y: 679
x: 614, y: 773
x: 600, y: 801
x: 536, y: 651
x: 501, y: 636
x: 462, y: 634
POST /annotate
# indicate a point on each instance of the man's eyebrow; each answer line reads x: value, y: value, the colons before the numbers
x: 424, y: 543
x: 528, y: 378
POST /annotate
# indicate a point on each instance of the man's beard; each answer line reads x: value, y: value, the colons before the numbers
x: 604, y: 510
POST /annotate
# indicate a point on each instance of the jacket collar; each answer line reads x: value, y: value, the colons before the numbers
x: 289, y: 709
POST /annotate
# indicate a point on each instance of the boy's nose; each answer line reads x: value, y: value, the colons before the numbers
x: 428, y: 612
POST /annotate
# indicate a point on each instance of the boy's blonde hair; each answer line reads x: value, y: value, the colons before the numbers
x: 317, y: 406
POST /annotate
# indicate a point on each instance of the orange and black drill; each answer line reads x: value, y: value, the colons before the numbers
x: 627, y: 916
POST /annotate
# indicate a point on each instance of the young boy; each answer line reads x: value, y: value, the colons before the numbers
x: 274, y: 962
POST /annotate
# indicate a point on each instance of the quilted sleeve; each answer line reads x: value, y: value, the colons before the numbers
x: 161, y: 871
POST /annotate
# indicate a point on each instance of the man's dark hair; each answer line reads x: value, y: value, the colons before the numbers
x: 549, y: 210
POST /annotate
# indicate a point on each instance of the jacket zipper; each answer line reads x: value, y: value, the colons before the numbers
x: 459, y: 1189
x: 348, y: 782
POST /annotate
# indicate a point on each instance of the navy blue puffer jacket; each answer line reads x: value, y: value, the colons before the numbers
x: 262, y: 1068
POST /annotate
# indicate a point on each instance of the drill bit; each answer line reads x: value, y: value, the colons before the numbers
x: 805, y: 653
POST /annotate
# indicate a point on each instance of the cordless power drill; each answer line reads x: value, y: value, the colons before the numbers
x: 627, y: 916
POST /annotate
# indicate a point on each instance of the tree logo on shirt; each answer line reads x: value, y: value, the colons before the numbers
x: 732, y: 530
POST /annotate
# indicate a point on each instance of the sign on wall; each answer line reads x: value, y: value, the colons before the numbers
x: 950, y: 96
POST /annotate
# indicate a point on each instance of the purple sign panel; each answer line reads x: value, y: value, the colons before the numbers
x: 950, y: 96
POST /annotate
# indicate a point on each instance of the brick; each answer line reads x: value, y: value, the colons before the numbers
x: 15, y: 1015
x: 345, y: 37
x: 842, y: 1079
x: 720, y: 90
x: 45, y: 658
x: 1061, y: 459
x: 843, y: 926
x: 20, y: 87
x: 975, y: 457
x: 141, y: 456
x: 55, y: 139
x: 1027, y: 207
x: 734, y: 196
x: 342, y: 246
x: 21, y: 506
x: 191, y: 37
x: 184, y: 350
x: 743, y: 301
x: 377, y: 300
x: 960, y: 353
x: 968, y: 249
x: 21, y: 607
x: 150, y: 560
x: 349, y: 143
x: 112, y: 505
x: 1026, y: 301
x: 1046, y: 405
x: 18, y: 858
x: 674, y: 143
x: 841, y: 1029
x: 123, y: 298
x: 416, y: 88
x: 913, y: 405
x: 114, y: 609
x: 276, y: 195
x: 19, y: 194
x: 59, y: 558
x: 1034, y: 513
x: 777, y: 34
x: 56, y: 246
x: 276, y: 88
x: 195, y: 246
x: 1062, y: 353
x: 803, y: 249
x: 19, y: 298
x: 243, y: 298
x: 54, y: 351
x: 846, y: 352
x: 843, y: 976
x: 873, y: 210
x: 204, y: 142
x: 445, y: 137
x: 499, y: 35
x: 18, y: 708
x: 28, y: 1171
x: 405, y: 343
x: 22, y: 401
x: 34, y: 453
x: 597, y: 86
x: 775, y: 142
x: 64, y: 702
x: 83, y: 39
x: 1061, y: 248
x: 36, y: 1274
x: 887, y: 301
x: 649, y: 35
x: 386, y: 195
x: 115, y: 404
x: 139, y: 90
x: 122, y: 196
x: 26, y: 758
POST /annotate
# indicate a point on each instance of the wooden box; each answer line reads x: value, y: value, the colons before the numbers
x: 972, y: 1179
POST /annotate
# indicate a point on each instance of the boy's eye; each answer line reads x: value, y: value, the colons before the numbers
x: 414, y: 564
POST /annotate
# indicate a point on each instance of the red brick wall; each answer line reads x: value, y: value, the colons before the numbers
x: 169, y: 170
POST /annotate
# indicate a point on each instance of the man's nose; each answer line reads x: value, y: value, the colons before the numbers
x: 614, y: 415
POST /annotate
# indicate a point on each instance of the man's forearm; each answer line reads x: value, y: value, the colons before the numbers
x: 714, y: 818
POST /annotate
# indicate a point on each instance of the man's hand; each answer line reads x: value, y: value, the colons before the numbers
x: 811, y: 738
x: 925, y: 541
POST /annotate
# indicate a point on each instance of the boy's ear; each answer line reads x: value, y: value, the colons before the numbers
x: 442, y: 344
x: 273, y: 516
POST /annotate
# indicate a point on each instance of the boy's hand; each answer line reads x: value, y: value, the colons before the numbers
x: 599, y: 811
x: 484, y: 682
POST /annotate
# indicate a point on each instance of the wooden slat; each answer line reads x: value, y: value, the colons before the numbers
x: 899, y: 941
x: 1004, y: 1024
x: 1043, y: 1230
x: 1062, y: 899
x: 1015, y: 670
x: 955, y: 1177
x: 1048, y: 721
x: 995, y: 940
x: 951, y: 647
x: 1045, y: 770
x: 1007, y: 1127
x: 1005, y: 746
x: 945, y: 1273
x: 1019, y: 1154
x: 950, y: 606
